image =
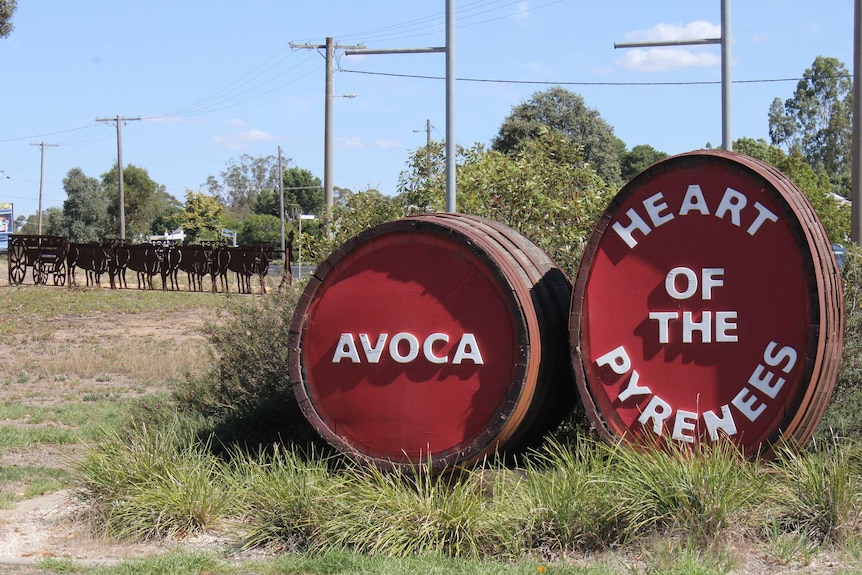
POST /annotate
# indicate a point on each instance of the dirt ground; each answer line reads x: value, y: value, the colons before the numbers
x: 47, y: 526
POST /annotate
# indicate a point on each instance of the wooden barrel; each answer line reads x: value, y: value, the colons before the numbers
x: 437, y: 339
x: 708, y: 304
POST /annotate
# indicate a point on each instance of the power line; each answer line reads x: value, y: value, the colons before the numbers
x: 565, y: 83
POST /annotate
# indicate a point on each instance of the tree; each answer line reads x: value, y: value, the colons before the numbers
x: 267, y: 203
x: 7, y: 10
x: 638, y: 159
x: 260, y: 228
x: 565, y: 112
x: 303, y: 188
x: 242, y: 180
x: 545, y: 191
x: 85, y: 210
x: 817, y: 120
x: 52, y: 222
x: 834, y: 216
x: 422, y: 185
x: 352, y: 214
x: 144, y: 200
x: 201, y: 217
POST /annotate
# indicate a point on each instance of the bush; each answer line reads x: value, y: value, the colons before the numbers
x: 844, y: 414
x: 247, y: 394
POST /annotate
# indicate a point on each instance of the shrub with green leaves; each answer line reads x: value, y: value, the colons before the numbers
x: 247, y: 392
x: 843, y: 416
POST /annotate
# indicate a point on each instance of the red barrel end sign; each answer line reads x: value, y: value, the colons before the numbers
x: 708, y: 304
x: 438, y: 338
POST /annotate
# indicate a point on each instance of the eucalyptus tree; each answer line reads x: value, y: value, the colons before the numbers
x: 7, y: 10
x: 85, y: 210
x: 817, y: 120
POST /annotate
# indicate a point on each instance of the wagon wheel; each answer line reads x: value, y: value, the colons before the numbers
x: 60, y: 273
x: 40, y: 274
x: 17, y: 264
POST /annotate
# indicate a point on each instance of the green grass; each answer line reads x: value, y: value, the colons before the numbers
x: 19, y: 483
x: 40, y: 301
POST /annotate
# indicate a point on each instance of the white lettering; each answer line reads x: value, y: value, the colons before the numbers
x: 785, y: 353
x: 670, y: 283
x: 633, y: 388
x: 760, y: 380
x: 663, y: 318
x: 712, y: 278
x: 746, y: 406
x: 763, y: 214
x: 618, y: 359
x: 372, y: 353
x: 684, y: 422
x: 655, y: 205
x: 412, y: 347
x: 704, y: 326
x: 732, y: 202
x: 428, y: 347
x: 405, y: 347
x: 725, y: 322
x: 468, y: 349
x: 724, y: 423
x: 694, y: 202
x: 658, y: 410
x: 637, y: 223
x: 346, y: 349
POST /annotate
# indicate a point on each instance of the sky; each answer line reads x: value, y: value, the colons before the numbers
x: 212, y: 80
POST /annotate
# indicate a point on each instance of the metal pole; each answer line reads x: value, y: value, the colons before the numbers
x: 327, y: 138
x: 428, y: 148
x: 450, y: 106
x: 726, y: 140
x: 120, y: 179
x: 119, y: 120
x: 41, y: 179
x: 856, y: 149
x: 281, y: 198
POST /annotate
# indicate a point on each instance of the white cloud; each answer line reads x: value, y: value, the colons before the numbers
x: 239, y: 123
x: 386, y: 144
x: 243, y: 139
x: 663, y: 59
x: 351, y: 143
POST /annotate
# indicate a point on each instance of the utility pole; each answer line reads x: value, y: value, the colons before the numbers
x: 427, y: 148
x: 449, y: 50
x: 119, y: 123
x: 724, y: 40
x: 281, y: 200
x: 330, y: 48
x: 41, y: 180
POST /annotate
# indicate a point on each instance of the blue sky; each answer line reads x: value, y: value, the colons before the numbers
x: 216, y: 79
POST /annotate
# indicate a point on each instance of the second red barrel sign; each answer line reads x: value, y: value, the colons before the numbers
x: 708, y: 304
x: 438, y: 338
